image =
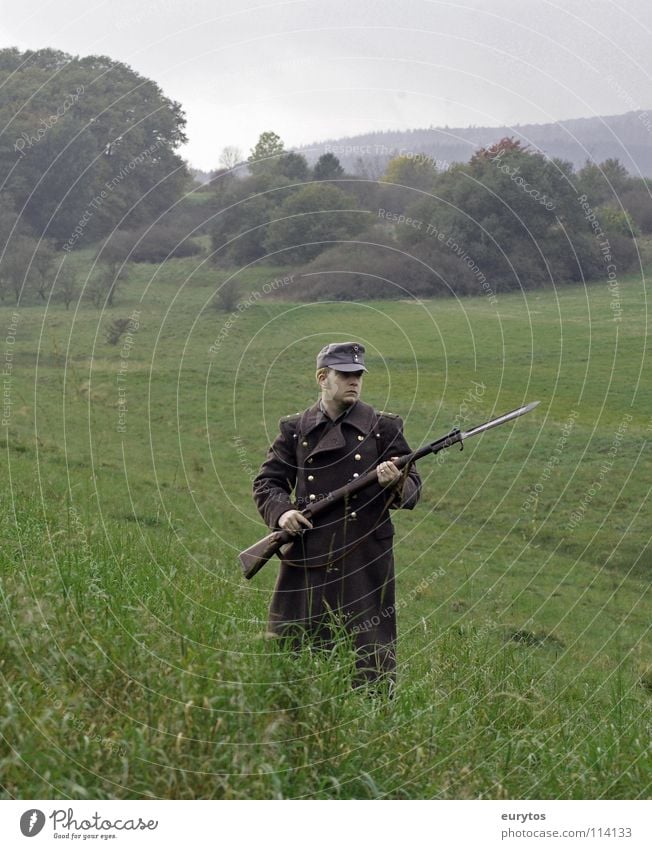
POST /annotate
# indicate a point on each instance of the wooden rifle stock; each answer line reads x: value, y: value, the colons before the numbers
x: 254, y: 558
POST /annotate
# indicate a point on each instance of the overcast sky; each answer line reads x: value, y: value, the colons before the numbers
x: 317, y: 69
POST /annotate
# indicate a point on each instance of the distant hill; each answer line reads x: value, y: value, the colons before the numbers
x: 626, y: 137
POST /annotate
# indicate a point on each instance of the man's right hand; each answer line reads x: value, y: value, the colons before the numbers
x: 293, y: 521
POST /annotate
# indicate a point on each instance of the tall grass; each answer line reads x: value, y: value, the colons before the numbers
x: 116, y: 687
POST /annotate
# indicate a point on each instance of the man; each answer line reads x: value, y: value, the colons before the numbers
x: 341, y: 571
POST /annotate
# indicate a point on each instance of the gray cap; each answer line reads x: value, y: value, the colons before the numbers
x: 342, y: 356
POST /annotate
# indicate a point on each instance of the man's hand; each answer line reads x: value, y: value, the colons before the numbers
x: 293, y: 521
x: 387, y: 473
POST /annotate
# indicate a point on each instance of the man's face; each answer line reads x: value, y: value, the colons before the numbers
x: 343, y: 388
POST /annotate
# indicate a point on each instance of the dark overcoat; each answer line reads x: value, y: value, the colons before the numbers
x: 343, y: 568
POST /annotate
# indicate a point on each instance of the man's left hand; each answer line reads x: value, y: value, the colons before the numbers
x: 387, y: 473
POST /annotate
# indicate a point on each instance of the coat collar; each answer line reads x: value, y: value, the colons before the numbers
x: 362, y: 417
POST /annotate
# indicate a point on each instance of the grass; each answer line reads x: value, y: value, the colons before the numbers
x: 134, y: 661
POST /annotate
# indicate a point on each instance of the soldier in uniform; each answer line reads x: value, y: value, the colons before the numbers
x: 342, y: 569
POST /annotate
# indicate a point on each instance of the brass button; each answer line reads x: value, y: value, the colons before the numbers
x: 311, y: 477
x: 304, y: 443
x: 354, y: 515
x: 356, y: 475
x: 309, y: 460
x: 358, y: 456
x: 313, y: 497
x: 377, y: 436
x: 360, y: 438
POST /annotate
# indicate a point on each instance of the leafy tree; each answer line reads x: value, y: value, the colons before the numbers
x: 294, y: 167
x: 638, y: 202
x: 263, y: 156
x: 510, y: 213
x: 419, y: 172
x: 226, y: 297
x: 618, y: 222
x: 240, y: 231
x: 308, y: 218
x: 87, y: 141
x: 328, y: 167
x: 603, y: 183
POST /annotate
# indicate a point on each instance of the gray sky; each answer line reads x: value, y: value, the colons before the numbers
x: 317, y: 69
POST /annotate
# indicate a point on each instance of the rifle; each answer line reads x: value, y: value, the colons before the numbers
x: 255, y: 557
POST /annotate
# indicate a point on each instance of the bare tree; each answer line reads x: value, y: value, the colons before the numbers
x: 230, y: 156
x: 43, y: 268
x: 67, y: 287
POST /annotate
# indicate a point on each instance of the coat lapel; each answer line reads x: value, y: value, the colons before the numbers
x: 361, y: 417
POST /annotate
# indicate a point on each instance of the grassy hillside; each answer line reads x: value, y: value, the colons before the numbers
x: 133, y: 653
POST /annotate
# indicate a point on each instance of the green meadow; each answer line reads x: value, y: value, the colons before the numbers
x: 133, y: 655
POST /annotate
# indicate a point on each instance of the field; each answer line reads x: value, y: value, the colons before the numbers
x: 133, y: 654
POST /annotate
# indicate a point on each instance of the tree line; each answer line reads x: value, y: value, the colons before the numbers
x: 88, y: 160
x: 508, y: 219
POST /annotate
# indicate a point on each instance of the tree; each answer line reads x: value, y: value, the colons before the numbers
x: 263, y: 157
x: 226, y: 297
x: 112, y: 267
x: 87, y: 141
x: 43, y: 268
x: 418, y: 172
x: 638, y: 202
x: 230, y: 157
x: 294, y: 166
x: 310, y: 218
x: 327, y: 167
x: 603, y: 183
x: 239, y: 232
x: 511, y: 214
x: 16, y: 263
x: 67, y: 286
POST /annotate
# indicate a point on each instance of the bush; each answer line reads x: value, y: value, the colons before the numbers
x: 162, y: 242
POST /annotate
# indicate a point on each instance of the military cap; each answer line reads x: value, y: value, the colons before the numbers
x: 342, y: 356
